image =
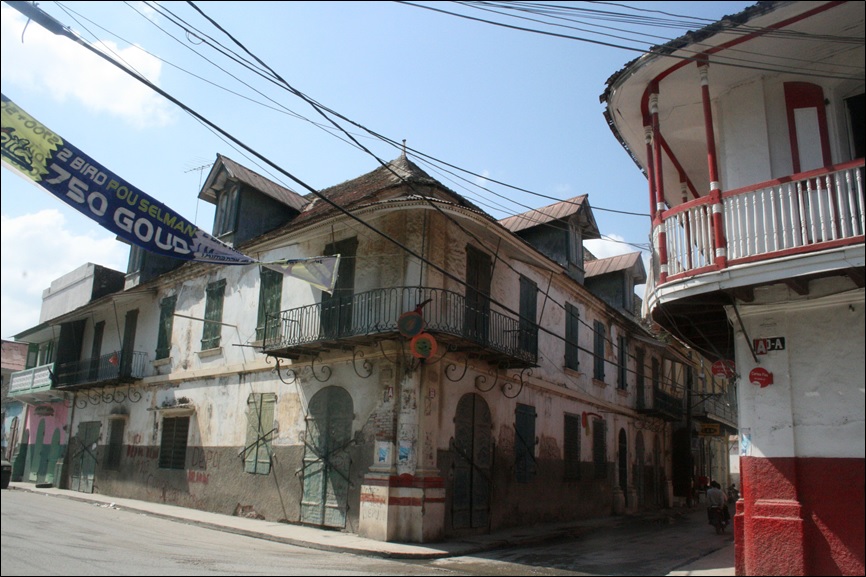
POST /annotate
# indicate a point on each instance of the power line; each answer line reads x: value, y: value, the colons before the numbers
x: 52, y: 25
x: 659, y: 51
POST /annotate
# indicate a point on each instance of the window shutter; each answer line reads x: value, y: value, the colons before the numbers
x: 524, y: 443
x: 260, y: 426
x: 571, y: 445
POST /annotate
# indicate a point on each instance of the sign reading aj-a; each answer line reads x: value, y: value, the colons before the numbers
x: 765, y: 345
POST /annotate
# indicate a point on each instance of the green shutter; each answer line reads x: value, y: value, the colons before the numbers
x: 213, y: 315
x: 260, y: 431
x: 571, y: 446
x: 598, y: 372
x: 524, y: 443
x: 270, y: 299
x: 166, y: 322
x: 572, y: 324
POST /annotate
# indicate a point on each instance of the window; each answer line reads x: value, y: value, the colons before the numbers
x: 166, y: 321
x: 656, y: 373
x: 575, y: 246
x: 528, y: 316
x: 116, y: 428
x: 226, y: 217
x: 338, y: 307
x: 47, y: 352
x: 213, y: 315
x: 260, y: 430
x: 270, y: 298
x: 598, y: 352
x: 172, y: 447
x: 640, y: 379
x: 136, y: 259
x: 571, y: 447
x: 622, y: 363
x: 524, y: 443
x: 599, y: 448
x: 572, y: 325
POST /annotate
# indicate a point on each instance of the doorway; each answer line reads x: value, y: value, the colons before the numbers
x: 473, y: 462
x: 326, y: 458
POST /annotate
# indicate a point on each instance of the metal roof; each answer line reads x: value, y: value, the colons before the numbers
x: 631, y: 261
x: 546, y: 214
x: 234, y: 171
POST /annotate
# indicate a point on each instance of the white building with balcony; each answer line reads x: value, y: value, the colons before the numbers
x: 751, y: 134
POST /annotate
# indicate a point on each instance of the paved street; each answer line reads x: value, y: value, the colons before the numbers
x: 100, y: 535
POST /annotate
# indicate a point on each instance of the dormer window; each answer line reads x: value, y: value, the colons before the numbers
x: 226, y: 217
x: 575, y: 245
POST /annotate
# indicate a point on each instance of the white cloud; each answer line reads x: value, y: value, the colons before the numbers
x: 37, y: 60
x: 36, y: 249
x: 611, y: 245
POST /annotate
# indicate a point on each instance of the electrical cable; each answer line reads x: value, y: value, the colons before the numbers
x: 56, y: 28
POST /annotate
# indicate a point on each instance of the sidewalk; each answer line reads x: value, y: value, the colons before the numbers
x: 720, y: 562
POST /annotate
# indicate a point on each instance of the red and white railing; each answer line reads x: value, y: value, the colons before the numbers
x: 803, y: 213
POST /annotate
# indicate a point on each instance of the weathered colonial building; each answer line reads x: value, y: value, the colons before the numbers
x: 465, y: 374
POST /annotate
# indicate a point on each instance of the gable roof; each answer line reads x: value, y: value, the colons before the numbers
x: 369, y: 188
x: 553, y: 212
x: 227, y: 169
x: 623, y: 262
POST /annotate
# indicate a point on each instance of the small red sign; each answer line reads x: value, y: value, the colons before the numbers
x: 724, y: 368
x: 423, y: 346
x: 761, y: 377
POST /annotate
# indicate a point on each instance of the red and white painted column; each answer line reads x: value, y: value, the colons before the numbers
x: 801, y: 428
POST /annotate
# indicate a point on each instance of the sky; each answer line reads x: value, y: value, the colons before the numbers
x: 507, y: 117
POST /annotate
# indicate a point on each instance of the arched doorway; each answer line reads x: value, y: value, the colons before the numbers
x: 326, y: 458
x: 623, y: 465
x: 472, y: 448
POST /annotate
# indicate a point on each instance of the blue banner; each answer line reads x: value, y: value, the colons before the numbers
x: 34, y: 151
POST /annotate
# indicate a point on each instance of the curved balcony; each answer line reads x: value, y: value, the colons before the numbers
x: 370, y: 317
x: 807, y: 212
x: 785, y: 230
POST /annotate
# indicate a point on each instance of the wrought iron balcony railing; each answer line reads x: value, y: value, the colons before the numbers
x: 716, y: 407
x: 371, y: 316
x: 661, y: 404
x: 109, y: 369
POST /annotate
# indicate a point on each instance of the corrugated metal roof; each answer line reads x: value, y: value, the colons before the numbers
x: 252, y: 179
x: 543, y: 215
x: 365, y: 189
x: 620, y: 262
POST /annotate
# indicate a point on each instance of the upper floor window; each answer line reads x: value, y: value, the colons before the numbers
x: 166, y: 321
x: 572, y: 325
x: 270, y: 299
x: 136, y: 259
x: 622, y: 362
x: 528, y: 315
x: 598, y: 351
x: 575, y: 245
x: 213, y: 315
x: 656, y: 373
x: 226, y: 217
